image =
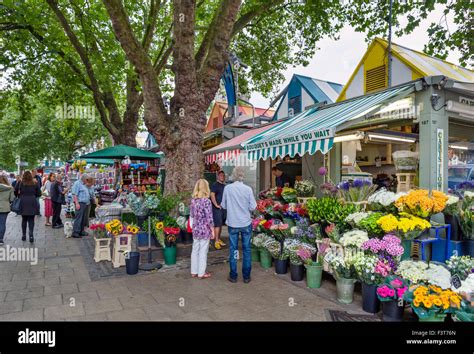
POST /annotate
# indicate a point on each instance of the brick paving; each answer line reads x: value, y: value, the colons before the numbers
x: 62, y: 286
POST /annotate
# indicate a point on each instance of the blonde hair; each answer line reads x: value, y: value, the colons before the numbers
x: 201, y: 189
x: 4, y: 180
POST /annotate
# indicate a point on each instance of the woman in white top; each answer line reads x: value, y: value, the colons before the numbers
x: 48, y: 205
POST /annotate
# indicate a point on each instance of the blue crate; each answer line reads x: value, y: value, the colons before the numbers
x: 438, y: 250
x: 455, y: 248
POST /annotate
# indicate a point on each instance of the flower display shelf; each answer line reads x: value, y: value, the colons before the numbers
x: 122, y: 244
x: 336, y: 248
x: 102, y: 249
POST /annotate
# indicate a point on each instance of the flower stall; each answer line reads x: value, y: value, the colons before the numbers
x: 359, y: 234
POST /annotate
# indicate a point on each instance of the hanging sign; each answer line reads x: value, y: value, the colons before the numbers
x: 439, y: 159
x: 293, y: 139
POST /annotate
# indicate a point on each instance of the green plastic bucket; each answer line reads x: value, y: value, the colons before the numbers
x: 265, y: 258
x: 169, y: 254
x: 314, y: 273
x: 255, y: 254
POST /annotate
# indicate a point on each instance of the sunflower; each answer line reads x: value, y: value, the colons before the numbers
x: 159, y: 225
x: 129, y: 229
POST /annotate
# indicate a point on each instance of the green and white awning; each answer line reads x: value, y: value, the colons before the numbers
x: 314, y: 129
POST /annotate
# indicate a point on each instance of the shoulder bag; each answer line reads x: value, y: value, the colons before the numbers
x: 15, y: 206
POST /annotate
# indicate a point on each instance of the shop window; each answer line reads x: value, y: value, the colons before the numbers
x: 375, y: 79
x: 294, y: 105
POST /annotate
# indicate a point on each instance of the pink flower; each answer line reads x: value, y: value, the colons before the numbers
x: 322, y: 171
x: 283, y: 226
x: 396, y: 283
x: 391, y: 292
x: 401, y: 291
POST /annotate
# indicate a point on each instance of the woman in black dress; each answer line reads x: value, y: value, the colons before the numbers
x: 28, y: 190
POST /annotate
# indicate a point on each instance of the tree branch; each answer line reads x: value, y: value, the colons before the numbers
x: 88, y: 65
x: 156, y: 117
x: 246, y: 18
x: 151, y: 24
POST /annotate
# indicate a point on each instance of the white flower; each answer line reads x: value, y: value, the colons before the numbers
x: 412, y: 271
x: 467, y: 286
x: 468, y: 194
x: 452, y: 200
x: 353, y: 238
x: 438, y: 275
x: 355, y: 218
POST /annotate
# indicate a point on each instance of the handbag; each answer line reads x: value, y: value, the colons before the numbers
x: 190, y: 225
x: 15, y: 206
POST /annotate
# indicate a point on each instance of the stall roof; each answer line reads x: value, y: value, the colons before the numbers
x: 314, y: 129
x: 96, y: 161
x: 120, y: 151
x: 233, y: 146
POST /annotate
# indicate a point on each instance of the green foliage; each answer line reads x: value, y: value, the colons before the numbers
x: 370, y: 225
x: 330, y: 210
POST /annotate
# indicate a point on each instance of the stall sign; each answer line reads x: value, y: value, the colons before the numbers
x: 439, y: 159
x: 466, y: 100
x: 293, y: 139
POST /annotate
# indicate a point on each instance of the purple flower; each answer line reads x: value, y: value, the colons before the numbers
x: 322, y: 171
x: 358, y: 183
x: 345, y: 185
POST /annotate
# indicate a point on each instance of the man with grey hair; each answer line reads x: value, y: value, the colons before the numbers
x: 81, y: 197
x: 239, y: 202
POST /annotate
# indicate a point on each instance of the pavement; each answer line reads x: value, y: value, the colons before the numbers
x: 60, y: 288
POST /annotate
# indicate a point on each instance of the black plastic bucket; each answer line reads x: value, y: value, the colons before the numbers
x: 297, y: 272
x: 281, y: 266
x: 132, y: 261
x: 392, y: 312
x: 370, y: 301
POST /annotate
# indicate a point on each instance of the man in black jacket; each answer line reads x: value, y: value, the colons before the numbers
x: 57, y: 198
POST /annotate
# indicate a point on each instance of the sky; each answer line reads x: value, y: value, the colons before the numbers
x: 336, y: 60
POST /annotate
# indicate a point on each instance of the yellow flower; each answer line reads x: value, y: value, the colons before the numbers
x: 388, y: 223
x: 435, y: 288
x: 437, y: 302
x: 115, y: 232
x: 159, y: 225
x: 416, y: 303
x: 427, y: 303
x: 262, y: 222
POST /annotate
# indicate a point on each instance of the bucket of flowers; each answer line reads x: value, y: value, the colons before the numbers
x: 421, y: 203
x: 304, y: 190
x: 98, y: 230
x: 314, y: 270
x: 280, y: 256
x: 390, y: 293
x: 345, y: 274
x: 431, y: 303
x: 114, y: 227
x: 169, y: 249
x: 289, y: 195
x: 370, y: 275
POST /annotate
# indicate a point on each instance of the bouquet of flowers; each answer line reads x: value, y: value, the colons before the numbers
x: 280, y: 231
x: 171, y: 234
x: 98, y: 230
x: 260, y: 239
x: 413, y: 271
x: 383, y: 200
x: 277, y: 250
x: 330, y: 210
x: 429, y: 301
x: 132, y: 229
x: 467, y: 215
x: 355, y: 218
x: 461, y: 266
x: 438, y: 275
x: 114, y: 227
x: 407, y: 226
x: 294, y: 247
x: 421, y: 203
x: 329, y: 189
x: 370, y: 224
x: 365, y: 265
x: 389, y: 245
x: 289, y: 195
x: 182, y: 222
x: 137, y: 204
x: 356, y: 191
x: 275, y: 193
x: 305, y: 255
x: 303, y: 231
x: 333, y: 232
x: 159, y: 232
x: 304, y: 189
x: 393, y: 288
x: 265, y: 206
x: 354, y: 238
x: 343, y: 266
x: 452, y: 205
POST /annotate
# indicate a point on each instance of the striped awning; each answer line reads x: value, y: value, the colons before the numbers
x: 222, y: 156
x: 314, y: 129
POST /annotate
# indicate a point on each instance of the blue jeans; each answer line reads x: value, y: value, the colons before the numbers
x: 3, y: 225
x: 246, y: 233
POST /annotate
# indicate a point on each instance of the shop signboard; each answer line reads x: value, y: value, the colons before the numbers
x: 318, y: 134
x: 439, y: 159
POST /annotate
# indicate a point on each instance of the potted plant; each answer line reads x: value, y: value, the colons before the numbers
x: 431, y: 303
x: 390, y: 293
x: 280, y: 232
x: 460, y: 266
x: 314, y: 270
x: 345, y: 274
x: 368, y: 273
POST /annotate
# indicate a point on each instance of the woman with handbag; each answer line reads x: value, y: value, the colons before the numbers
x: 28, y: 191
x: 6, y: 197
x: 58, y: 198
x: 46, y: 192
x: 202, y: 228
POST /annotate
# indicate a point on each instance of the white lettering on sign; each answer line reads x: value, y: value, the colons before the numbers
x: 466, y: 100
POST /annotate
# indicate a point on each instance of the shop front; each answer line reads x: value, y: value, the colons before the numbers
x: 417, y: 134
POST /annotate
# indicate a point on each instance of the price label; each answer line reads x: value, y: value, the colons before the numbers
x: 456, y: 281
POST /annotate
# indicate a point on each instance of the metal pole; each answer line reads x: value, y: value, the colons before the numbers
x: 390, y: 45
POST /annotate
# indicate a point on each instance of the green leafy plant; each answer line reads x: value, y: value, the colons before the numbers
x: 370, y: 224
x: 330, y: 210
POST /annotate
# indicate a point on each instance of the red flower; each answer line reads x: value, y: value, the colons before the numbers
x: 301, y: 211
x: 278, y: 192
x: 268, y: 224
x: 285, y: 208
x: 172, y: 230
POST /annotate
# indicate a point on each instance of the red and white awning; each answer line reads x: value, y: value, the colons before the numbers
x: 222, y: 156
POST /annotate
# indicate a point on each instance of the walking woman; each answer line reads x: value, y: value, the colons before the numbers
x: 202, y: 228
x: 6, y: 197
x: 28, y: 190
x: 48, y: 204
